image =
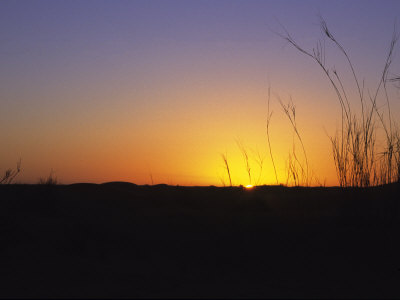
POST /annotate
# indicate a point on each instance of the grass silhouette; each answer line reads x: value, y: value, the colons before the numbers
x: 50, y: 180
x: 298, y: 172
x: 228, y: 171
x: 10, y: 174
x: 360, y: 161
x: 245, y: 155
x: 269, y: 116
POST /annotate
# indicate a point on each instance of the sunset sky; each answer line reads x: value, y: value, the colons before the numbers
x: 154, y: 91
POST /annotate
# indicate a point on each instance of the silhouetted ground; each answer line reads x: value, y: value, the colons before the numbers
x: 119, y: 240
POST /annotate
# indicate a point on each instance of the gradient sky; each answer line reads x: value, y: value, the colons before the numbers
x: 154, y: 91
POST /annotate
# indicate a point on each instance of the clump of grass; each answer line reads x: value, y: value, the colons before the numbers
x: 10, y: 174
x: 296, y: 174
x: 50, y: 180
x: 248, y: 156
x: 355, y: 152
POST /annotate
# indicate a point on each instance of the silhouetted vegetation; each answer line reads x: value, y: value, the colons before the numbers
x: 269, y: 116
x: 297, y: 172
x: 245, y: 155
x: 10, y: 174
x: 228, y: 171
x: 49, y: 180
x: 359, y: 160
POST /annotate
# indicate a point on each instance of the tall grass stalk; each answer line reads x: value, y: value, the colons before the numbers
x: 225, y: 159
x: 298, y: 171
x: 259, y: 159
x: 269, y: 115
x: 245, y: 155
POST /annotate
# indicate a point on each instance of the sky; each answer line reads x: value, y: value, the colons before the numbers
x: 156, y: 91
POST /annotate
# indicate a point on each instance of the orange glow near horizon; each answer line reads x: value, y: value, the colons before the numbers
x: 174, y: 143
x: 148, y: 100
x: 171, y: 143
x: 167, y: 152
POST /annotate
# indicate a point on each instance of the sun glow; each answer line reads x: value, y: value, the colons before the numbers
x: 249, y: 186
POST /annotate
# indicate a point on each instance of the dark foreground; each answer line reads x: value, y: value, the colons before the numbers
x: 121, y: 240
